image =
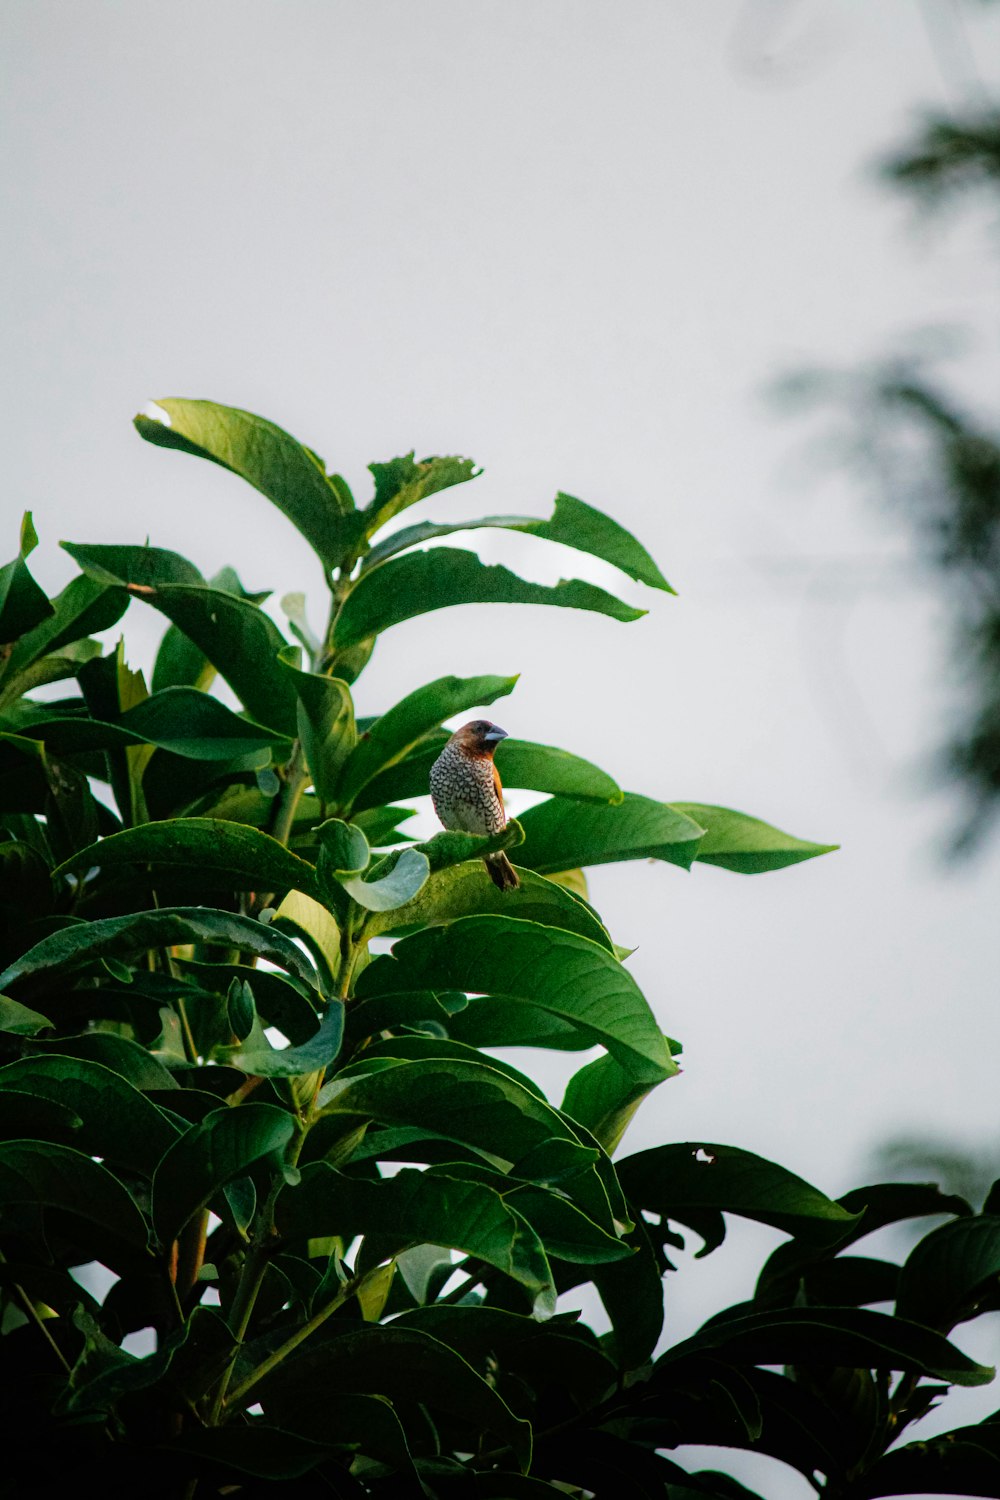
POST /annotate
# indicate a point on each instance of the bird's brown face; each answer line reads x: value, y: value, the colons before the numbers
x: 479, y: 737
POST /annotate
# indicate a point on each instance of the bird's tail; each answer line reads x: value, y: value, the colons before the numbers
x: 501, y: 872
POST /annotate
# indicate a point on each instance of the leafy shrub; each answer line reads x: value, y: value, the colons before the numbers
x: 275, y: 1135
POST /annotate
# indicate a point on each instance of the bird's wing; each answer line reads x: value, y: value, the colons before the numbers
x: 497, y: 784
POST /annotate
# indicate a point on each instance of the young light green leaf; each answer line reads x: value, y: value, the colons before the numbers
x: 422, y: 581
x: 555, y: 971
x: 603, y: 1097
x: 744, y: 844
x: 397, y: 886
x: 18, y: 1020
x: 284, y: 470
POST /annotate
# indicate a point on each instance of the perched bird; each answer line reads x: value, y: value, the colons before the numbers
x: 468, y: 797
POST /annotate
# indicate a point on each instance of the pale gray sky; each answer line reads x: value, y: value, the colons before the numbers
x: 573, y: 239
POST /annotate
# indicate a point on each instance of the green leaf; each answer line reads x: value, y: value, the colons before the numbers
x: 422, y: 581
x: 23, y: 605
x: 18, y: 1020
x: 572, y: 523
x: 414, y: 1208
x: 853, y: 1337
x: 744, y: 844
x: 398, y: 1363
x: 670, y: 1179
x: 466, y: 1102
x: 290, y: 1062
x: 344, y: 848
x: 604, y: 1097
x: 565, y: 1231
x: 119, y: 1123
x: 568, y: 976
x: 207, y: 1156
x: 325, y: 723
x: 871, y: 1208
x: 181, y: 720
x: 466, y: 890
x: 118, y: 1053
x: 562, y: 835
x: 534, y: 768
x: 402, y: 482
x: 952, y: 1271
x: 288, y: 473
x: 46, y: 1173
x: 398, y: 730
x: 124, y: 937
x: 239, y: 640
x: 391, y: 891
x: 82, y: 608
x: 192, y: 723
x: 242, y: 857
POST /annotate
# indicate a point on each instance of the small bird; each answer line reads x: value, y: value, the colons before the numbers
x: 468, y: 797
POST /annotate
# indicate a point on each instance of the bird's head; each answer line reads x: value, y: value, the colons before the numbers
x: 479, y: 737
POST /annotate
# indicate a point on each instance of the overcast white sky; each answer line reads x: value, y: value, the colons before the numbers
x: 574, y: 239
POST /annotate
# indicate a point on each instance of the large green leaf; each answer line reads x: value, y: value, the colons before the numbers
x: 179, y: 662
x: 242, y: 857
x: 415, y: 1208
x: 124, y: 937
x: 534, y: 768
x: 207, y: 1156
x: 403, y: 482
x: 573, y: 523
x: 572, y: 978
x: 853, y: 1337
x: 119, y: 1123
x: 239, y: 640
x: 46, y: 1173
x: 466, y: 890
x: 467, y: 1102
x: 421, y: 581
x: 182, y: 720
x: 291, y: 1062
x: 326, y: 725
x: 952, y: 1274
x: 398, y: 730
x: 744, y: 844
x: 670, y: 1179
x: 563, y: 835
x: 288, y: 473
x: 963, y: 1462
x: 399, y: 1363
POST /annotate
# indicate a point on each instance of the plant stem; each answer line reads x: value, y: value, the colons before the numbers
x: 347, y: 1291
x: 32, y: 1313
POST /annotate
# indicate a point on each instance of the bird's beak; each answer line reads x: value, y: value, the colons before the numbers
x: 495, y: 735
